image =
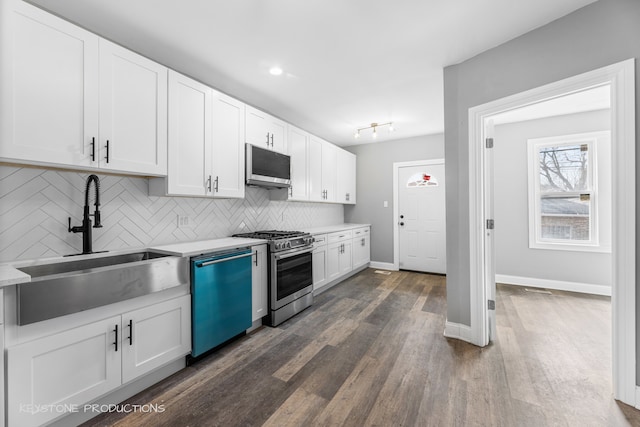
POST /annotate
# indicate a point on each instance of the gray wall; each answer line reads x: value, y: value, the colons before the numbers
x: 374, y: 178
x: 511, y: 204
x: 600, y: 34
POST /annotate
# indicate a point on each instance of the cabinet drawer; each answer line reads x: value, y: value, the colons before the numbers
x: 358, y: 232
x: 339, y: 236
x: 319, y: 240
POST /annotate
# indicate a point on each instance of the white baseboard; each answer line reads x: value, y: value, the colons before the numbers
x: 458, y: 331
x: 637, y: 405
x: 383, y: 265
x: 559, y: 285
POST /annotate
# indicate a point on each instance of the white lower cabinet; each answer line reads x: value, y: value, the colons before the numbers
x: 49, y: 376
x: 338, y: 254
x: 259, y: 282
x: 361, y: 247
x: 319, y: 261
x: 155, y: 335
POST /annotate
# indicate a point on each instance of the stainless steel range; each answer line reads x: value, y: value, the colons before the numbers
x: 290, y: 272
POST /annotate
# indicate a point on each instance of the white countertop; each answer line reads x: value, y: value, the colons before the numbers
x: 12, y: 276
x: 206, y: 246
x: 9, y: 275
x: 334, y: 228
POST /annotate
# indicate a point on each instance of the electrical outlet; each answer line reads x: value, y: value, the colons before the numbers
x: 184, y: 221
x: 385, y: 204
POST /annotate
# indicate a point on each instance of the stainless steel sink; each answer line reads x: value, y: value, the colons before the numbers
x: 69, y: 287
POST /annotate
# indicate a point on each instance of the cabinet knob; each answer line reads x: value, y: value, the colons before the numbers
x: 401, y: 224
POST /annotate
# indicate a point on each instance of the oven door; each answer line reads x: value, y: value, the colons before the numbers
x: 291, y: 276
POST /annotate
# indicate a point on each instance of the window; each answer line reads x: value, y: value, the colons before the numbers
x: 563, y: 192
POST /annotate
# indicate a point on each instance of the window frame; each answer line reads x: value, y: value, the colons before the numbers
x: 535, y: 194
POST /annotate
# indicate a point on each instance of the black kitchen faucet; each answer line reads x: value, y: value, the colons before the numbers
x: 85, y: 228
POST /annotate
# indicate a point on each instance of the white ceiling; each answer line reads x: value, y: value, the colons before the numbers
x: 347, y: 63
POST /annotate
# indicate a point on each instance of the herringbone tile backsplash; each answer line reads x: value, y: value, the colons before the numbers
x: 35, y: 204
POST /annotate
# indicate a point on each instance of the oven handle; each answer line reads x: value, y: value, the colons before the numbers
x: 204, y: 264
x: 296, y: 253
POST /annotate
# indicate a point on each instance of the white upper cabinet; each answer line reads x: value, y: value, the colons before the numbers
x: 66, y: 92
x: 228, y: 146
x: 133, y: 112
x: 316, y: 193
x: 346, y: 177
x: 49, y: 86
x: 190, y: 153
x: 266, y: 131
x: 298, y: 141
x: 329, y: 172
x: 206, y: 142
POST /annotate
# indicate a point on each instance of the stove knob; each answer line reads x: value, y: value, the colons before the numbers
x: 288, y: 244
x: 278, y: 245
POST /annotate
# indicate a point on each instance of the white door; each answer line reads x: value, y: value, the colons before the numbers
x: 298, y: 145
x: 421, y: 217
x: 489, y: 242
x: 315, y: 169
x: 259, y: 291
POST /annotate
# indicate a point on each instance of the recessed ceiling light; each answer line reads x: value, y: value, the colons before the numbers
x: 275, y: 71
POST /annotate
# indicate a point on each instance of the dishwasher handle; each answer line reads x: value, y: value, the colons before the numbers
x: 206, y: 263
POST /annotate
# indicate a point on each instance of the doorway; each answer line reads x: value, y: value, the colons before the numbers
x: 419, y: 216
x: 621, y: 78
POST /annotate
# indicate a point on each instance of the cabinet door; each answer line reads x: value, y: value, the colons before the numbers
x: 259, y: 283
x: 133, y: 112
x: 334, y: 251
x: 256, y: 132
x: 228, y: 146
x: 346, y: 177
x: 361, y: 250
x: 155, y: 335
x: 278, y: 134
x: 71, y: 367
x: 189, y: 147
x: 315, y: 169
x: 298, y: 145
x: 329, y: 171
x: 49, y: 86
x: 346, y: 262
x: 319, y: 267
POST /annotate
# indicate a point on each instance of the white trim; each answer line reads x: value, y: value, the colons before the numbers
x: 621, y: 77
x: 383, y: 265
x: 559, y: 285
x: 396, y: 237
x: 637, y: 405
x: 458, y: 331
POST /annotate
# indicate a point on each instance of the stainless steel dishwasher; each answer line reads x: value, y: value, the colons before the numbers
x: 220, y: 298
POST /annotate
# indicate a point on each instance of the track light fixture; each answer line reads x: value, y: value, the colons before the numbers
x: 374, y: 126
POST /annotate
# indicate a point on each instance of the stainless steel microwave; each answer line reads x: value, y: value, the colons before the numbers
x: 266, y: 168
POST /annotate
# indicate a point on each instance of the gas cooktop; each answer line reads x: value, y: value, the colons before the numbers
x: 281, y: 240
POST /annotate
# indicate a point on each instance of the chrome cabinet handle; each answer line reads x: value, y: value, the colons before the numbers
x: 209, y: 184
x: 107, y: 151
x: 271, y: 140
x: 216, y: 184
x: 267, y: 139
x: 256, y: 261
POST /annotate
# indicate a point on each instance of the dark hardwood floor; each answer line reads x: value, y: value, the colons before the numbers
x: 371, y: 352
